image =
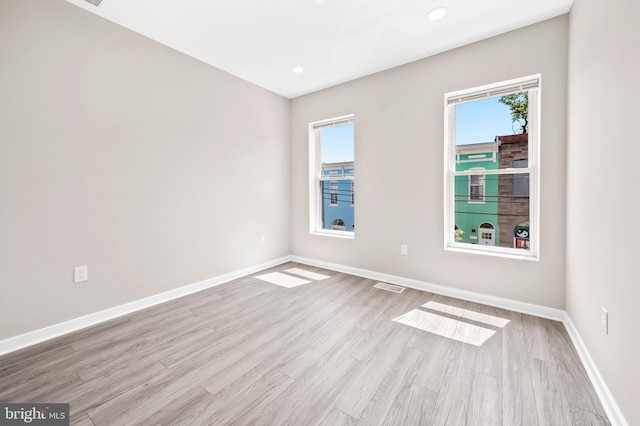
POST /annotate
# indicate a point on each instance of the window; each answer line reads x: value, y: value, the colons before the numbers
x: 331, y: 177
x: 353, y: 193
x: 521, y: 181
x: 333, y: 191
x: 476, y: 188
x: 493, y: 129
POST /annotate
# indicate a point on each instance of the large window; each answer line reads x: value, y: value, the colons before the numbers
x: 331, y: 177
x: 491, y: 163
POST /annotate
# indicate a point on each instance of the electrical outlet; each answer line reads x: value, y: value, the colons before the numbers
x: 404, y: 249
x: 261, y: 239
x: 605, y: 321
x: 80, y: 273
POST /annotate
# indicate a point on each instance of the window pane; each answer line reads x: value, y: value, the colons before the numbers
x: 336, y: 155
x: 492, y: 133
x: 501, y: 220
x: 337, y: 144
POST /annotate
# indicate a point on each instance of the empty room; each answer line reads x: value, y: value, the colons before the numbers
x: 180, y: 184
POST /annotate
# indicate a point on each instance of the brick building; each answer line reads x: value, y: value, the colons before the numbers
x: 513, y: 191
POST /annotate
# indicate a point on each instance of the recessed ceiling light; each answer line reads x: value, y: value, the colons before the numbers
x: 297, y: 69
x: 437, y: 13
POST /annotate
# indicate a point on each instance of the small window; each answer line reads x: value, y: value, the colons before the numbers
x: 353, y: 194
x: 331, y: 177
x: 333, y: 191
x: 521, y: 181
x: 493, y: 129
x: 476, y: 188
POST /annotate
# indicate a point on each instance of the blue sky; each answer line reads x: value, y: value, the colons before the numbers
x: 337, y: 144
x: 476, y: 122
x: 481, y: 121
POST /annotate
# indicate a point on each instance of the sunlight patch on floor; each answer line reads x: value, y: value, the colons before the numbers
x: 282, y: 280
x: 446, y: 327
x: 307, y: 274
x: 467, y: 314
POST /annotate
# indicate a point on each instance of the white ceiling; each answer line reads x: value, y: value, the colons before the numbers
x: 333, y: 40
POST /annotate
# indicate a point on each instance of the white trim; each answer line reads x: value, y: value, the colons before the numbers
x: 501, y: 88
x: 499, y: 302
x: 37, y: 336
x: 495, y: 251
x: 350, y: 235
x: 334, y: 122
x: 315, y: 171
x: 533, y: 85
x: 609, y: 404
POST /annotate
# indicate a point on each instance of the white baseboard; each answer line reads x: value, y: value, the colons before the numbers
x: 606, y: 398
x: 608, y: 402
x: 602, y: 390
x: 33, y: 337
x: 498, y: 302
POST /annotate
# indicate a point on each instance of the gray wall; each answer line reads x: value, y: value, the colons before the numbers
x: 116, y: 152
x: 399, y: 166
x: 603, y: 152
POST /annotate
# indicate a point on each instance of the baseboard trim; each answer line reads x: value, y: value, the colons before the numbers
x: 602, y: 390
x: 608, y: 402
x: 38, y: 336
x: 498, y: 302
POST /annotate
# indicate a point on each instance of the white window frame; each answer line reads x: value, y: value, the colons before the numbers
x: 316, y: 177
x: 532, y: 84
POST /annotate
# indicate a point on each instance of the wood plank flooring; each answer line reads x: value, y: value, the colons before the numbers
x: 323, y: 353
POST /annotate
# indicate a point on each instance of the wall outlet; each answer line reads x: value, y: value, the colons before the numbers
x: 404, y: 249
x: 261, y: 239
x: 605, y: 321
x: 80, y: 273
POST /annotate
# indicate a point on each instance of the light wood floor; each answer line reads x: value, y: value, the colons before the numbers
x: 328, y: 352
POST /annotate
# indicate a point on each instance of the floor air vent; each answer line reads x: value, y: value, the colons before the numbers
x: 390, y: 287
x: 94, y: 2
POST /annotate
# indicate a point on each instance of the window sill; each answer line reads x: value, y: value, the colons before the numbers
x: 495, y: 252
x: 335, y: 234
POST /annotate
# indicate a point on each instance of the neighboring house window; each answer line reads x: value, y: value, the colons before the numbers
x: 353, y: 194
x: 476, y: 187
x: 521, y: 181
x: 496, y: 129
x: 333, y: 192
x: 331, y: 177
